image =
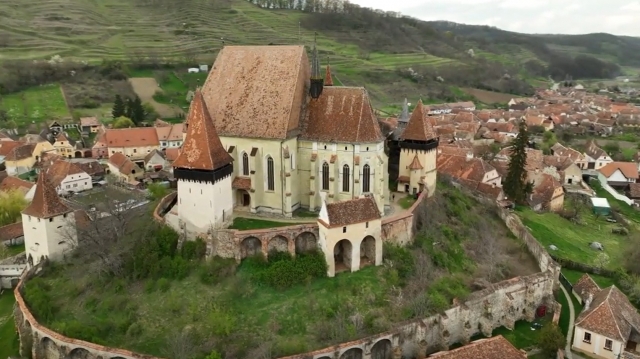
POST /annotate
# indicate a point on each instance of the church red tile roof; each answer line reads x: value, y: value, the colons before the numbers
x: 342, y: 114
x: 202, y: 148
x: 419, y: 128
x: 45, y: 203
x: 352, y: 211
x: 257, y: 91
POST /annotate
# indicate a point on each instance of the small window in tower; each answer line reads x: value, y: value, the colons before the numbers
x: 51, y: 219
x: 367, y: 148
x: 64, y: 215
x: 200, y: 191
x: 325, y: 147
x: 345, y: 148
x: 366, y: 225
x: 189, y: 190
x: 344, y: 229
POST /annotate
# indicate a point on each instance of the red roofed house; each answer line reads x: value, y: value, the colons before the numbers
x: 11, y: 183
x: 608, y: 326
x: 547, y: 194
x: 135, y: 143
x: 49, y: 225
x: 124, y: 169
x: 350, y: 234
x: 491, y: 348
x: 619, y: 174
x: 68, y: 177
x: 595, y: 156
x: 418, y: 144
x: 470, y: 172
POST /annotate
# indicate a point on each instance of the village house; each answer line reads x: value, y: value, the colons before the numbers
x: 547, y: 193
x: 22, y: 158
x: 578, y: 158
x: 124, y: 169
x: 64, y: 146
x: 508, y: 129
x: 595, y: 156
x: 608, y: 326
x: 619, y: 174
x: 170, y: 136
x: 350, y: 234
x: 67, y: 177
x: 634, y: 192
x: 90, y: 124
x: 468, y: 169
x: 568, y: 172
x: 135, y: 143
x: 12, y: 234
x: 156, y: 161
x: 93, y: 168
x: 11, y: 183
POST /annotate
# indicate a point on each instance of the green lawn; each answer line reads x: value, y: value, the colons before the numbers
x: 573, y: 239
x: 37, y: 104
x: 9, y: 343
x: 573, y: 276
x: 304, y: 213
x: 244, y: 224
x: 12, y: 251
x: 565, y: 314
x: 407, y: 202
x: 522, y: 337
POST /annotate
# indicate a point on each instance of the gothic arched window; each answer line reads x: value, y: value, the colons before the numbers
x: 366, y: 179
x: 271, y: 184
x: 245, y: 164
x: 345, y: 178
x: 325, y: 176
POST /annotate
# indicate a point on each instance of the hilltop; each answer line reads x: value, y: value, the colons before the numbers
x: 394, y: 56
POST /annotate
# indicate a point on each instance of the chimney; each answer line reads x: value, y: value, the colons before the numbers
x: 469, y: 155
x: 587, y: 302
x: 493, y: 185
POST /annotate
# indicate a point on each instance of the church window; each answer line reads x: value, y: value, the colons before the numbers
x: 293, y: 161
x: 325, y: 176
x: 325, y: 147
x: 245, y: 164
x: 345, y: 178
x: 271, y: 185
x: 366, y: 179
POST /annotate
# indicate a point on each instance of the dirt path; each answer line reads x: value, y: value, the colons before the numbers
x: 146, y: 87
x: 572, y: 314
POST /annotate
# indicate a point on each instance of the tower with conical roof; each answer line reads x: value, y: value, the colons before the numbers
x: 49, y: 224
x: 418, y: 152
x: 203, y: 170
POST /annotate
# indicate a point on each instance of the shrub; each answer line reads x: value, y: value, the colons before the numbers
x: 194, y: 249
x: 163, y: 284
x: 400, y: 258
x: 36, y: 293
x: 283, y: 271
x: 216, y: 270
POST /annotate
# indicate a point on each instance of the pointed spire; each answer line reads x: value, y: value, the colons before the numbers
x: 46, y: 203
x: 419, y: 127
x: 202, y: 149
x: 328, y: 80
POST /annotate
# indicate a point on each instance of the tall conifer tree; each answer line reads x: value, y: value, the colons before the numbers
x: 515, y: 185
x: 137, y: 111
x: 118, y: 107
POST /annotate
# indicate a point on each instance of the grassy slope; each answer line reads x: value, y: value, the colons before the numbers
x: 8, y: 336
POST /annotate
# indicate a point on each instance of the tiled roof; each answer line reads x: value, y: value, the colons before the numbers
x: 492, y: 348
x: 170, y: 133
x: 45, y: 203
x: 561, y: 163
x: 634, y: 190
x: 241, y: 183
x: 257, y: 91
x: 151, y: 154
x: 62, y: 137
x: 544, y: 188
x: 122, y: 163
x: 131, y: 137
x: 586, y: 286
x: 628, y: 169
x: 202, y: 148
x: 560, y: 150
x: 7, y: 146
x: 328, y: 80
x: 92, y: 168
x: 11, y: 231
x: 89, y: 122
x: 20, y: 152
x: 342, y: 114
x: 419, y: 128
x: 14, y: 183
x: 172, y: 153
x: 464, y: 168
x: 593, y: 150
x: 60, y: 169
x: 352, y: 211
x: 610, y: 314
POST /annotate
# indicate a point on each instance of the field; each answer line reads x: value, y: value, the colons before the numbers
x: 573, y: 239
x: 8, y: 336
x: 489, y: 97
x: 146, y: 87
x: 216, y: 306
x: 36, y: 105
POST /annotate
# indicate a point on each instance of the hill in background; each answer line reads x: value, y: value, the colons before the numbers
x: 394, y: 56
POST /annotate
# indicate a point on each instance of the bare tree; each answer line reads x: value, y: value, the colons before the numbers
x: 102, y: 230
x: 181, y: 345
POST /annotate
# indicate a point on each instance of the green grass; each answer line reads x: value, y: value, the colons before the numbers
x: 619, y: 206
x: 304, y: 213
x: 12, y: 251
x: 38, y: 104
x: 407, y: 202
x: 573, y: 276
x: 521, y: 337
x: 244, y: 224
x: 565, y: 314
x: 9, y: 342
x: 573, y: 239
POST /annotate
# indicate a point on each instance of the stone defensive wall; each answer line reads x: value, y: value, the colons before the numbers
x: 501, y: 304
x: 296, y: 238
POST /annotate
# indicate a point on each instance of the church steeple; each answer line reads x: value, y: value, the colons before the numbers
x: 317, y: 82
x: 328, y: 80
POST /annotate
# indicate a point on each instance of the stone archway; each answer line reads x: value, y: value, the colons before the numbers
x: 244, y: 198
x: 367, y: 251
x: 87, y: 154
x: 381, y: 350
x: 278, y: 244
x: 78, y: 154
x: 342, y: 256
x: 49, y: 349
x: 353, y: 353
x: 79, y: 353
x: 250, y: 247
x: 306, y: 242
